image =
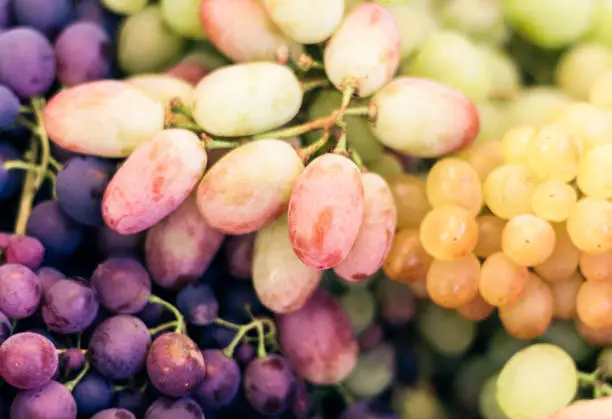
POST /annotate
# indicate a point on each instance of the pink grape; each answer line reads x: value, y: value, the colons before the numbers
x: 282, y: 282
x: 239, y: 255
x: 376, y: 234
x: 105, y: 118
x: 448, y: 123
x: 373, y: 60
x: 243, y: 31
x: 249, y: 187
x: 153, y: 181
x: 179, y: 248
x: 326, y: 211
x: 318, y: 340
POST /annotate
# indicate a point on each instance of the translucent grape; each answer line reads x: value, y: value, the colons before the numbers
x: 452, y: 181
x: 183, y: 17
x: 374, y: 372
x: 579, y: 68
x: 410, y: 193
x: 446, y: 331
x: 490, y: 230
x: 536, y: 105
x: 449, y: 232
x: 54, y: 399
x: 69, y: 307
x: 20, y: 291
x: 502, y: 281
x: 553, y: 200
x: 359, y: 305
x: 587, y: 122
x: 563, y: 261
x: 163, y: 88
x: 477, y: 18
x: 528, y: 240
x: 416, y: 24
x: 387, y: 165
x: 419, y: 402
x: 596, y: 267
x: 483, y: 157
x: 477, y: 309
x: 503, y: 71
x: 594, y: 179
x: 564, y: 296
x: 407, y: 260
x: 269, y: 384
x: 28, y: 360
x: 514, y: 144
x: 125, y: 7
x: 508, y: 190
x: 590, y: 225
x: 553, y: 153
x: 493, y: 120
x: 222, y: 380
x: 594, y: 304
x: 452, y: 284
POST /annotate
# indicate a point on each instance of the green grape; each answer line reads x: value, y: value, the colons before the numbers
x: 452, y: 59
x: 502, y: 346
x: 604, y: 362
x: 125, y: 7
x: 580, y: 67
x: 480, y: 19
x: 564, y: 335
x: 505, y: 76
x: 183, y: 17
x: 446, y: 331
x: 373, y: 373
x: 536, y: 382
x: 537, y: 105
x: 387, y: 165
x: 360, y: 306
x: 601, y: 28
x: 487, y: 402
x: 146, y: 44
x: 163, y: 88
x: 469, y: 381
x: 494, y: 122
x: 419, y: 403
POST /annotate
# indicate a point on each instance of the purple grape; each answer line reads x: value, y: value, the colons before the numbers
x: 53, y: 401
x: 215, y: 336
x: 80, y: 186
x: 123, y: 285
x: 269, y: 384
x: 6, y: 328
x: 9, y: 181
x: 239, y: 254
x: 111, y: 243
x: 175, y: 365
x: 27, y: 61
x: 24, y: 250
x: 245, y: 353
x: 69, y: 307
x: 4, y: 239
x: 367, y: 409
x: 133, y: 400
x: 4, y: 13
x: 44, y: 15
x: 301, y: 403
x: 151, y: 314
x: 93, y: 394
x: 118, y: 347
x: 371, y: 337
x: 198, y: 303
x: 9, y: 103
x: 72, y: 360
x: 55, y: 229
x: 222, y: 380
x: 48, y: 277
x: 184, y: 408
x: 27, y: 360
x: 114, y: 414
x: 20, y: 291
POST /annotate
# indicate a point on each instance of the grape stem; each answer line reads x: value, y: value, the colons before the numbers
x: 175, y: 324
x: 308, y: 85
x: 213, y: 144
x: 306, y: 63
x: 70, y: 385
x: 600, y: 388
x: 55, y: 164
x: 306, y: 153
x: 38, y: 105
x: 179, y: 324
x: 28, y: 191
x: 341, y: 145
x: 346, y: 395
x: 258, y: 324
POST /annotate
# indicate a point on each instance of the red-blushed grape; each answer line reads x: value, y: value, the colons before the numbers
x: 326, y: 211
x: 530, y: 315
x: 563, y: 262
x: 28, y: 360
x: 69, y: 306
x: 553, y: 200
x: 553, y: 153
x: 269, y: 384
x: 490, y: 230
x: 410, y: 196
x: 449, y: 123
x: 528, y: 240
x: 306, y: 21
x: 589, y: 123
x: 156, y: 178
x: 508, y: 189
x: 222, y: 380
x: 477, y: 309
x: 239, y: 255
x: 318, y: 340
x: 54, y: 399
x: 282, y: 281
x: 243, y: 31
x: 407, y: 260
x: 451, y: 284
x: 452, y: 181
x: 376, y: 233
x: 449, y: 232
x: 162, y: 88
x: 194, y: 67
x: 249, y: 187
x: 596, y: 267
x: 107, y: 118
x: 246, y: 99
x: 179, y: 248
x: 371, y: 63
x: 514, y: 144
x: 484, y: 157
x: 590, y: 225
x: 594, y: 304
x: 564, y: 296
x: 20, y: 291
x: 502, y: 281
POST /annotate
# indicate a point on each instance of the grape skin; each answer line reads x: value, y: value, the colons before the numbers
x: 163, y: 88
x: 590, y: 225
x: 452, y: 181
x: 54, y: 399
x: 69, y: 307
x: 594, y: 304
x: 28, y: 360
x: 596, y: 267
x: 407, y: 260
x: 449, y: 233
x: 20, y: 291
x: 490, y: 230
x: 508, y: 189
x: 198, y: 304
x: 563, y: 262
x: 122, y: 284
x: 564, y: 296
x: 114, y: 414
x: 452, y: 284
x: 477, y: 309
x: 528, y: 240
x: 410, y: 193
x: 269, y: 384
x: 93, y: 394
x: 222, y: 380
x: 502, y: 281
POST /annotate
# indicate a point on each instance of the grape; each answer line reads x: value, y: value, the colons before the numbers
x: 151, y: 314
x: 282, y: 281
x: 58, y: 233
x: 110, y: 243
x: 590, y: 225
x: 80, y: 186
x: 588, y: 123
x: 484, y: 157
x: 69, y: 307
x: 51, y: 401
x: 508, y: 190
x: 410, y: 193
x: 133, y: 401
x: 502, y: 281
x: 193, y: 68
x: 563, y: 261
x: 451, y: 59
x: 490, y: 230
x: 49, y: 277
x: 449, y: 122
x: 249, y: 187
x: 72, y: 360
x: 318, y: 340
x: 198, y: 303
x: 125, y: 7
x: 184, y: 408
x: 504, y: 73
x: 118, y: 347
x: 528, y: 240
x: 359, y: 305
x: 493, y: 120
x: 554, y: 154
x: 564, y: 296
x: 222, y: 380
x: 4, y: 14
x: 397, y: 303
x: 154, y: 181
x: 580, y: 67
x: 477, y: 309
x: 145, y: 44
x: 553, y: 200
x: 245, y: 353
x: 374, y: 372
x: 243, y: 31
x: 599, y: 337
x: 20, y: 291
x: 452, y: 181
x: 596, y: 267
x: 452, y: 284
x: 449, y: 232
x: 564, y: 335
x: 239, y: 255
x: 487, y: 401
x: 537, y: 105
x: 163, y: 88
x: 6, y: 328
x: 27, y: 62
x: 370, y: 64
x: 407, y: 260
x: 245, y: 99
x: 175, y: 365
x: 470, y: 379
x: 105, y: 118
x: 180, y: 248
x: 27, y: 360
x: 183, y: 17
x: 122, y: 284
x: 114, y: 414
x: 536, y: 382
x: 594, y: 304
x: 82, y: 52
x: 599, y: 94
x: 269, y: 384
x: 446, y: 331
x: 24, y: 250
x: 593, y: 178
x: 515, y: 142
x: 416, y: 24
x: 9, y: 180
x: 93, y: 394
x: 419, y: 402
x: 387, y: 165
x: 9, y: 107
x: 530, y: 315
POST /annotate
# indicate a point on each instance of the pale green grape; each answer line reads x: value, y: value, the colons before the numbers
x: 469, y: 381
x: 580, y: 68
x: 125, y: 7
x: 537, y: 105
x: 564, y: 335
x: 480, y: 19
x: 163, y: 88
x: 494, y: 121
x: 487, y: 402
x: 373, y: 373
x: 604, y: 362
x: 183, y: 17
x: 387, y: 165
x: 360, y: 306
x: 146, y: 44
x: 601, y: 28
x: 446, y: 331
x: 505, y: 76
x: 418, y: 403
x: 536, y: 382
x: 502, y: 346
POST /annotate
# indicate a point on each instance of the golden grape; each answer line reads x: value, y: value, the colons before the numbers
x: 554, y: 153
x: 407, y: 260
x: 449, y: 232
x: 508, y: 190
x: 528, y: 240
x: 451, y: 284
x: 453, y: 181
x: 501, y: 281
x: 411, y: 200
x: 590, y: 225
x: 553, y: 200
x: 564, y: 296
x: 596, y: 267
x: 490, y: 230
x: 594, y: 304
x: 514, y: 144
x: 563, y: 262
x: 595, y: 172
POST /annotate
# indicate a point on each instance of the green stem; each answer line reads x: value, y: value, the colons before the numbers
x: 177, y: 106
x: 117, y: 388
x: 308, y: 85
x: 357, y: 111
x: 70, y: 385
x: 306, y: 63
x: 357, y: 159
x: 28, y: 191
x: 20, y: 165
x: 162, y: 327
x: 306, y: 153
x: 55, y: 164
x: 242, y: 332
x: 212, y: 144
x: 341, y: 145
x: 188, y: 125
x: 321, y: 123
x: 180, y: 321
x: 346, y: 395
x: 261, y: 347
x: 225, y: 323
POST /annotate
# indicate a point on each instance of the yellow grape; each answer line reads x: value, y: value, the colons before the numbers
x: 407, y: 260
x: 490, y: 230
x: 483, y: 157
x: 451, y: 284
x: 595, y: 172
x: 564, y: 296
x: 590, y: 225
x: 410, y: 196
x: 477, y: 309
x: 553, y: 200
x: 449, y: 232
x: 508, y: 190
x: 589, y: 123
x: 536, y: 105
x: 581, y: 66
x: 596, y: 267
x: 601, y: 91
x: 563, y: 262
x: 453, y: 181
x: 514, y: 144
x: 493, y: 121
x: 528, y: 240
x: 502, y: 281
x: 594, y: 304
x: 553, y: 153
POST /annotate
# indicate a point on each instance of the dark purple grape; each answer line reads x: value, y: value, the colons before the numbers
x: 27, y: 360
x: 93, y: 394
x: 27, y: 62
x: 6, y: 328
x: 9, y: 102
x: 184, y: 408
x: 44, y: 15
x: 80, y: 186
x: 52, y: 401
x: 269, y: 384
x: 198, y: 303
x: 123, y: 285
x: 72, y: 360
x: 48, y: 277
x: 24, y: 250
x: 245, y: 353
x: 151, y: 314
x: 215, y: 336
x: 20, y: 291
x: 366, y: 409
x: 9, y: 181
x: 175, y: 365
x: 371, y: 337
x: 301, y: 402
x: 118, y: 347
x: 133, y: 400
x: 114, y: 414
x: 69, y: 307
x: 55, y: 229
x: 4, y: 13
x: 111, y: 243
x: 234, y: 297
x: 239, y: 254
x: 222, y: 380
